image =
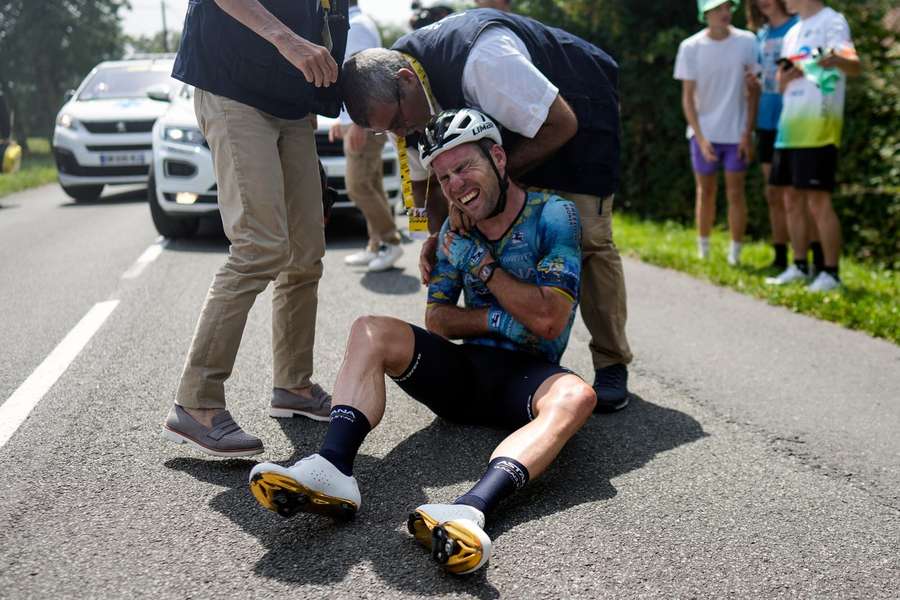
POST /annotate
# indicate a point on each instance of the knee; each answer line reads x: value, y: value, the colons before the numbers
x: 574, y: 403
x: 256, y: 260
x: 375, y: 334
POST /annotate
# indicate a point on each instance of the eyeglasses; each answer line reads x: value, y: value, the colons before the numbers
x: 399, y: 121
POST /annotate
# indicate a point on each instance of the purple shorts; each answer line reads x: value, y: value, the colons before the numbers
x: 726, y: 155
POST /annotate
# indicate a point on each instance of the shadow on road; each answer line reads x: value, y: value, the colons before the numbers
x: 126, y: 197
x: 312, y: 550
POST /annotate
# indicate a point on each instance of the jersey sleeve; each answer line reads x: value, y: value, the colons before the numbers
x: 685, y: 69
x: 560, y: 263
x: 446, y: 282
x: 837, y: 36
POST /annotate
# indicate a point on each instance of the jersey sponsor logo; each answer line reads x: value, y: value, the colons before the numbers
x: 518, y: 237
x: 495, y: 317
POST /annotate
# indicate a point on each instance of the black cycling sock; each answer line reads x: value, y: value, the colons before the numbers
x: 833, y: 271
x: 504, y: 476
x: 818, y: 255
x: 781, y: 256
x: 803, y: 265
x: 346, y: 432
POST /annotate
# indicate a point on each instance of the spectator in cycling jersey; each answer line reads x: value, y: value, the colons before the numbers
x: 519, y: 270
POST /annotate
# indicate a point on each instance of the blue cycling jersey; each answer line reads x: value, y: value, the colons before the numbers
x: 542, y: 247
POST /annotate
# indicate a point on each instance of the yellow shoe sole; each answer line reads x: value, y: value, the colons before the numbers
x: 287, y: 497
x: 456, y: 548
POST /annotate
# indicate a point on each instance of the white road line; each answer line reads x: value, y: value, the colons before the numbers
x: 17, y: 407
x: 149, y: 255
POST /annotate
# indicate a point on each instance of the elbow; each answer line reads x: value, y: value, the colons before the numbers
x: 549, y: 327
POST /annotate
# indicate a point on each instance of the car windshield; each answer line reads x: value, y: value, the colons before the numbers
x: 125, y: 82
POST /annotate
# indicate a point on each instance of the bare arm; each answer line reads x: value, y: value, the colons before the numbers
x: 314, y: 61
x: 560, y: 126
x: 543, y: 310
x: 850, y: 65
x: 745, y: 148
x: 454, y: 322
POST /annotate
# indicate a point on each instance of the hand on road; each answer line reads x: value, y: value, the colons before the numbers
x: 314, y: 61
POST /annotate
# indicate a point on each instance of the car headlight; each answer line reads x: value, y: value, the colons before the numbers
x: 66, y: 120
x: 183, y: 135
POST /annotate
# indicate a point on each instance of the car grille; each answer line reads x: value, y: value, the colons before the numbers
x: 66, y: 163
x: 118, y: 126
x: 113, y: 148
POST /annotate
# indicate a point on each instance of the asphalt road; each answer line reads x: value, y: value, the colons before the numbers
x: 759, y: 458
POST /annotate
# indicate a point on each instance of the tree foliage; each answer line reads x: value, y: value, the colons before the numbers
x: 643, y: 36
x: 47, y: 47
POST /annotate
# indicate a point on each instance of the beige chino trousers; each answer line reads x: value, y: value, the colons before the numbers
x: 365, y: 186
x: 603, y: 300
x: 270, y: 198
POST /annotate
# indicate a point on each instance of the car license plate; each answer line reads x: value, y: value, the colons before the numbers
x: 123, y: 158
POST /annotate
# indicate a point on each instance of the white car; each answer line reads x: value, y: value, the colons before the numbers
x: 102, y: 134
x: 182, y: 185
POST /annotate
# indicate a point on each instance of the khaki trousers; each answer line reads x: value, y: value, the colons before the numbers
x: 270, y: 198
x: 365, y: 186
x: 603, y: 302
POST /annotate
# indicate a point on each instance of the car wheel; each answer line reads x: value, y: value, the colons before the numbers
x: 166, y: 225
x: 83, y: 193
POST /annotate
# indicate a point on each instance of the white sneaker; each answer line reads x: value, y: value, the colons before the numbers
x: 359, y: 259
x: 311, y: 485
x: 387, y: 256
x: 734, y: 253
x: 789, y: 275
x: 824, y: 282
x: 455, y: 535
x: 703, y: 248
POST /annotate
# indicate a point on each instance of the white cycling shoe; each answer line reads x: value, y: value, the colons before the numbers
x: 454, y: 533
x: 312, y: 485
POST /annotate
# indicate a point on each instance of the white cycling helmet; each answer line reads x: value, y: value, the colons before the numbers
x: 453, y: 128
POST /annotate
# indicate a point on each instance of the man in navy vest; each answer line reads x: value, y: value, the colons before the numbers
x: 556, y: 96
x: 262, y: 70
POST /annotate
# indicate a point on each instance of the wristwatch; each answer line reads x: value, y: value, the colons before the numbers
x: 487, y: 271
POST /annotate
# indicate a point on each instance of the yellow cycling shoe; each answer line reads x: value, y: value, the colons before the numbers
x: 454, y: 533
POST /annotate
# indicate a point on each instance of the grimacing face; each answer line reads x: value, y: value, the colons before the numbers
x: 468, y: 180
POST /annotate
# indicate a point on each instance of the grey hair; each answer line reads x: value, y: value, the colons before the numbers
x: 370, y: 77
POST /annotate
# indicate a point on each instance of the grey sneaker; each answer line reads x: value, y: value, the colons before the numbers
x: 224, y: 438
x: 286, y: 404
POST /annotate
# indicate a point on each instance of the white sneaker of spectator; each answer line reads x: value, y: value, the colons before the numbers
x: 387, y: 256
x: 360, y: 259
x: 789, y: 275
x: 824, y: 282
x: 734, y: 253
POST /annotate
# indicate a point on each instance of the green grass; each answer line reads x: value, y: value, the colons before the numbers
x: 869, y: 300
x: 37, y: 169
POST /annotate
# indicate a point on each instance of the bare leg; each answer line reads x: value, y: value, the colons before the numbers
x: 377, y: 345
x: 705, y: 207
x: 562, y: 404
x: 795, y: 209
x: 737, y: 204
x: 827, y: 224
x: 775, y: 200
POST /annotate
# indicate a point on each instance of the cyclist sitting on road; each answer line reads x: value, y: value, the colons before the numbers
x: 519, y: 269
